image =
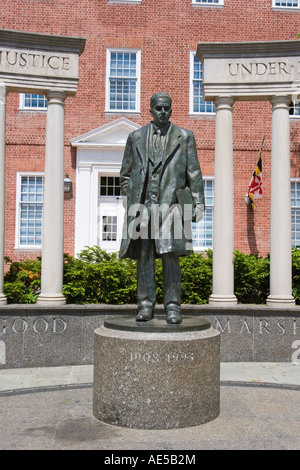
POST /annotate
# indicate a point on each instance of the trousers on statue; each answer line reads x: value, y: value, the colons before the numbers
x: 146, y: 285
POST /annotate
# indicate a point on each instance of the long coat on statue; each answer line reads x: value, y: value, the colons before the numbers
x: 178, y: 170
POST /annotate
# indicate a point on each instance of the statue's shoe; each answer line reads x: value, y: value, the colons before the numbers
x: 144, y: 314
x: 173, y: 317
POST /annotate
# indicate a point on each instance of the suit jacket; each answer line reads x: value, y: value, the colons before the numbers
x: 180, y: 169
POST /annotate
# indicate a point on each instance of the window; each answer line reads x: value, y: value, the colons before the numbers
x: 286, y: 4
x: 30, y: 194
x: 197, y: 103
x: 110, y: 186
x: 295, y: 108
x: 203, y: 230
x: 33, y: 102
x: 295, y: 212
x: 123, y: 81
x: 211, y: 3
x: 109, y: 228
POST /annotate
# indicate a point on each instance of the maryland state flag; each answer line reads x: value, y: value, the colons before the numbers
x: 255, y: 186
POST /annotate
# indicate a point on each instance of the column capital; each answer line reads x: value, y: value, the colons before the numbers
x: 224, y: 102
x: 55, y: 95
x: 280, y: 101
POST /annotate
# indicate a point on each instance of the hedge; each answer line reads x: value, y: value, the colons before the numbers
x: 96, y: 276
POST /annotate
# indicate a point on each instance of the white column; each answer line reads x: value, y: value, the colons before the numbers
x: 223, y: 228
x: 280, y: 238
x: 3, y: 92
x: 53, y: 212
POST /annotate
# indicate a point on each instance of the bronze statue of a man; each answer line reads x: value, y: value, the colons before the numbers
x: 162, y: 185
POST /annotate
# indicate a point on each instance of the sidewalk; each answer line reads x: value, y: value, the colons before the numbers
x: 52, y: 409
x: 252, y: 372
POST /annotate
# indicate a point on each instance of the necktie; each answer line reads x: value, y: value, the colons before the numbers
x: 157, y: 143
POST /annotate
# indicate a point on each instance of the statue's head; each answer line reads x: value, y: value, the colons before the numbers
x: 160, y: 108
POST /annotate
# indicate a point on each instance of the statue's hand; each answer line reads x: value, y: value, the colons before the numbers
x: 198, y: 212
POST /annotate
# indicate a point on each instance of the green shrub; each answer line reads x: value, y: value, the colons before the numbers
x: 196, y: 273
x: 251, y: 278
x: 99, y: 277
x: 296, y: 274
x: 22, y: 282
x: 96, y: 276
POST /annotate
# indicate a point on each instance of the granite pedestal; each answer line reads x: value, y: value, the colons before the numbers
x: 156, y: 376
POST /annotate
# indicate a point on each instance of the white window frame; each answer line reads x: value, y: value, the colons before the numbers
x: 203, y: 3
x: 202, y: 249
x: 138, y: 82
x: 29, y: 108
x: 191, y: 99
x: 18, y: 246
x: 282, y: 7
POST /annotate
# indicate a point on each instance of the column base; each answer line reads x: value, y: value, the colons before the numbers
x: 51, y: 299
x: 3, y: 300
x: 222, y: 300
x: 280, y: 301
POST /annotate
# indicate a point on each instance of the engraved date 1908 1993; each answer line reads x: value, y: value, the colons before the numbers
x: 170, y: 357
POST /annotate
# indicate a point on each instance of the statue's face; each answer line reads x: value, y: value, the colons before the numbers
x: 161, y: 111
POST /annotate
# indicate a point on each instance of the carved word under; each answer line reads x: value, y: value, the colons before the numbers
x: 262, y: 68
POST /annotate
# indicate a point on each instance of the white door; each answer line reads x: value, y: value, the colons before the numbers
x: 110, y: 214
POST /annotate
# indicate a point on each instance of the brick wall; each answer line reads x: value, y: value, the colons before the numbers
x: 165, y: 31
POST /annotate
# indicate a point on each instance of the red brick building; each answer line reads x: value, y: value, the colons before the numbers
x: 133, y: 49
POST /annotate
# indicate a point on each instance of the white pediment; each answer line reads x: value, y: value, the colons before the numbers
x: 111, y: 135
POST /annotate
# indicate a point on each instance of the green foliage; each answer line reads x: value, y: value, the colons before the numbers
x: 251, y: 278
x: 22, y: 281
x: 196, y: 272
x: 99, y: 277
x: 296, y: 274
x: 96, y: 276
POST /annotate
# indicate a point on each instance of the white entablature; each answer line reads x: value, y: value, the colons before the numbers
x: 250, y: 70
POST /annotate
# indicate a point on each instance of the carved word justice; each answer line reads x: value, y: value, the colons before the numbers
x: 34, y: 60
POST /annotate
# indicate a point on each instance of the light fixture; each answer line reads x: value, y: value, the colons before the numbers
x: 67, y: 184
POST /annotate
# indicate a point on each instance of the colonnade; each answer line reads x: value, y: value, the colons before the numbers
x: 223, y: 225
x: 223, y: 242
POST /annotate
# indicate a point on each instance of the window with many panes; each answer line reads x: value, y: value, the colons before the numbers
x: 33, y: 101
x: 208, y: 2
x: 286, y: 4
x: 109, y: 228
x: 295, y: 108
x: 30, y: 211
x: 110, y: 186
x: 197, y: 103
x: 123, y: 81
x: 203, y: 230
x: 295, y: 212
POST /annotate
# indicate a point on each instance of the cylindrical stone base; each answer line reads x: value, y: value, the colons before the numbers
x: 156, y: 376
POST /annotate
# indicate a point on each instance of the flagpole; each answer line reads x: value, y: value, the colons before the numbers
x: 255, y: 185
